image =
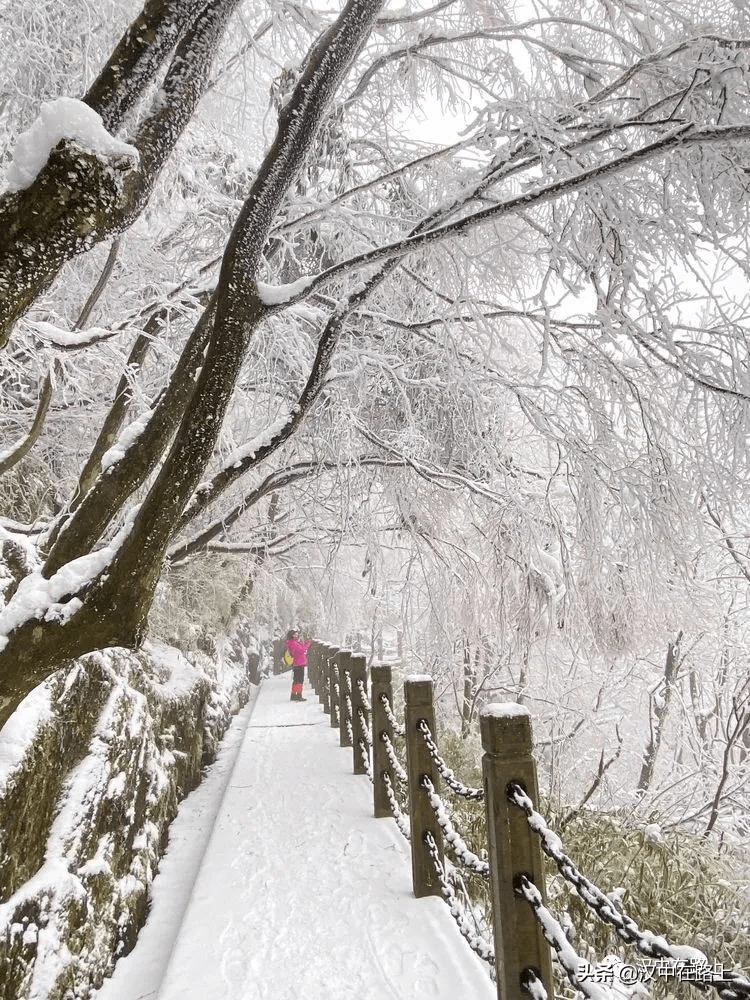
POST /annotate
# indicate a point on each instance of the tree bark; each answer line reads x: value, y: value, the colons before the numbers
x: 115, y: 418
x: 660, y: 712
x: 239, y: 308
x: 112, y: 608
x: 136, y: 59
x: 105, y: 499
x: 79, y: 199
x: 27, y: 443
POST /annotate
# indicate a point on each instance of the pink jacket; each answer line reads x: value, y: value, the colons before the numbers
x: 298, y: 649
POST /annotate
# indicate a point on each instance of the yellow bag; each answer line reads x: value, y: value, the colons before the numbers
x: 288, y: 658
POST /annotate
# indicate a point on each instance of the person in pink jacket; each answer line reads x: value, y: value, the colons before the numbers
x: 298, y: 650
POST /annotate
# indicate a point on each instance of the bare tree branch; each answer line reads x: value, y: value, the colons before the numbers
x: 20, y: 450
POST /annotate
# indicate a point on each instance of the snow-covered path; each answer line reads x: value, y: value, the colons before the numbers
x: 302, y: 893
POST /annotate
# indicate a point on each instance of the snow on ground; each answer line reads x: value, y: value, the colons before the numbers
x: 301, y: 892
x: 139, y: 975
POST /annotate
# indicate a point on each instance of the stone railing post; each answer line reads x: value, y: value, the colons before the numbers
x: 418, y: 705
x: 312, y: 666
x: 344, y: 660
x: 320, y: 682
x: 334, y: 685
x: 381, y: 684
x: 360, y: 715
x: 325, y: 678
x: 513, y: 849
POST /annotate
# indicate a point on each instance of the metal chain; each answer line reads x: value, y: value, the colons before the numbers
x: 365, y: 728
x: 398, y: 770
x: 466, y: 791
x: 334, y: 702
x: 349, y: 712
x: 349, y: 731
x: 460, y: 848
x: 533, y: 985
x: 398, y: 729
x: 730, y: 985
x: 476, y: 942
x: 402, y: 821
x: 366, y: 760
x: 569, y: 959
x: 365, y: 744
x: 348, y: 681
x: 363, y: 694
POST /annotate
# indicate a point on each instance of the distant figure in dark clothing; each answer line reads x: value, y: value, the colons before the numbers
x: 298, y: 650
x: 253, y: 667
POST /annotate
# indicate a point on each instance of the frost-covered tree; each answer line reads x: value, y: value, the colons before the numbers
x: 546, y: 312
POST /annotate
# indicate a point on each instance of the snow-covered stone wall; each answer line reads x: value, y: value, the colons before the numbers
x: 92, y: 767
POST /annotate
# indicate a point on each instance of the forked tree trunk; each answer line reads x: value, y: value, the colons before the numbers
x: 112, y: 609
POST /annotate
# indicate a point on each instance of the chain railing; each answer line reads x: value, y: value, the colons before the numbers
x: 366, y: 737
x: 365, y: 743
x: 448, y: 776
x: 523, y: 927
x: 570, y: 961
x: 364, y: 750
x: 398, y: 771
x: 402, y: 821
x: 469, y: 930
x: 348, y: 720
x: 363, y: 695
x: 397, y: 728
x: 452, y: 837
x: 432, y: 873
x: 729, y: 985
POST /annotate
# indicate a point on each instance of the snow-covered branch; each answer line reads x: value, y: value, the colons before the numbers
x: 680, y: 138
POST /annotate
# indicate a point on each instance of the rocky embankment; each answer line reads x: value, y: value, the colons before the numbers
x: 92, y: 768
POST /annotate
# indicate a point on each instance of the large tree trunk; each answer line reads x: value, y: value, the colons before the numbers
x: 79, y: 199
x: 112, y: 607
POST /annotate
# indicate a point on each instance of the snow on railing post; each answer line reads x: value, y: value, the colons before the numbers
x: 344, y: 660
x: 360, y: 720
x: 334, y: 684
x: 381, y: 679
x: 418, y: 698
x: 325, y: 677
x: 513, y: 849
